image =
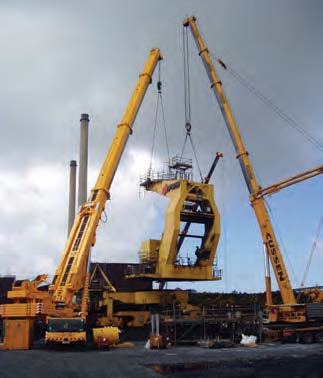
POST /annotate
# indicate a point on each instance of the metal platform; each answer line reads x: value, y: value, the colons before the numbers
x: 177, y: 168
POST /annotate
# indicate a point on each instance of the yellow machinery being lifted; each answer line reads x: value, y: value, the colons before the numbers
x: 191, y: 203
x: 65, y: 318
x: 290, y: 311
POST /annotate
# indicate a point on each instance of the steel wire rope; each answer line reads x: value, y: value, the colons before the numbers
x: 159, y: 104
x: 313, y: 247
x: 184, y: 35
x: 224, y: 66
x: 164, y: 123
x: 188, y: 78
x: 185, y: 80
x: 269, y: 103
x: 241, y: 131
x: 187, y: 99
x: 183, y: 149
x: 285, y: 117
x: 281, y: 241
x: 244, y: 82
x: 154, y: 137
x: 196, y: 159
x: 159, y: 87
x: 185, y: 74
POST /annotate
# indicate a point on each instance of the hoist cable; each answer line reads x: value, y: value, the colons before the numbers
x: 187, y: 99
x: 314, y: 245
x: 164, y: 123
x: 185, y: 75
x: 197, y: 162
x: 188, y: 79
x: 267, y: 101
x: 159, y: 105
x: 184, y: 145
x: 186, y: 71
x: 281, y: 241
x: 154, y: 137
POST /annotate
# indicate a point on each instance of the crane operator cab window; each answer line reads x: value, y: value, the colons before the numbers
x: 65, y: 325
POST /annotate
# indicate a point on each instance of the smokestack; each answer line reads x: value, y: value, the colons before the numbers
x: 84, y: 136
x: 72, y: 196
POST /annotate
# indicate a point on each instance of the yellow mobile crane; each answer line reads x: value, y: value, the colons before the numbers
x: 66, y: 319
x: 71, y: 274
x: 290, y: 311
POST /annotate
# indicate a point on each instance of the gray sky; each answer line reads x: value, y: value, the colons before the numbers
x: 59, y: 59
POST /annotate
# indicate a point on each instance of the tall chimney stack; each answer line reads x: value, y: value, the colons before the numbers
x: 83, y: 160
x: 72, y: 196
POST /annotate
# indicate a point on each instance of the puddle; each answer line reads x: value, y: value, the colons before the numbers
x: 177, y: 367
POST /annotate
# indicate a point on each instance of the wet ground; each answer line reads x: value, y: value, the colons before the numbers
x: 287, y: 360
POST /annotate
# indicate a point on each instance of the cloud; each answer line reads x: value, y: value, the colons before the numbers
x: 33, y: 235
x: 33, y: 219
x: 58, y: 62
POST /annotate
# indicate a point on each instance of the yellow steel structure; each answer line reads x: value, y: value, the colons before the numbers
x: 290, y: 311
x: 25, y: 289
x: 27, y: 300
x: 108, y: 287
x: 189, y: 202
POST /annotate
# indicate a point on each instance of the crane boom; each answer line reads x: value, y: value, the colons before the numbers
x: 70, y: 274
x: 258, y: 204
x: 290, y: 181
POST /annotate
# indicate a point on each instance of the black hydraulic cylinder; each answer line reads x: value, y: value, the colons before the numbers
x: 215, y: 162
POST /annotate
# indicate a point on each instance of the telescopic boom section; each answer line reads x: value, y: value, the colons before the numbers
x: 258, y: 204
x: 70, y: 274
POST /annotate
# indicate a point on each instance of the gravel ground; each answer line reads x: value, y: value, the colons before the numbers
x: 288, y: 360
